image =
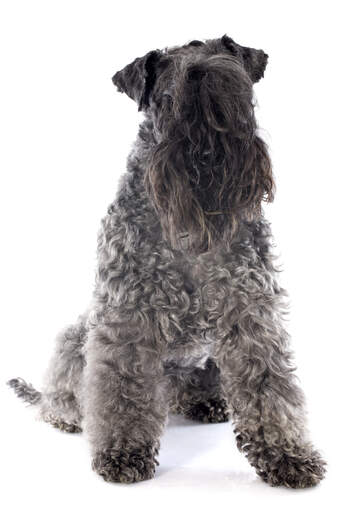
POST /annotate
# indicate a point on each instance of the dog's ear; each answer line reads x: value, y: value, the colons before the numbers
x: 137, y: 79
x: 254, y: 61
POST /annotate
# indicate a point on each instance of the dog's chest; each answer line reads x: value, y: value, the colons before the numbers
x: 196, y: 299
x: 209, y: 276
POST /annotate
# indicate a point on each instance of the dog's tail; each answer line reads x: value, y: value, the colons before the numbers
x: 25, y: 391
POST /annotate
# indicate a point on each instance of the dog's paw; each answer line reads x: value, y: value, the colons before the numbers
x: 211, y: 411
x: 295, y: 471
x: 70, y: 428
x: 125, y: 467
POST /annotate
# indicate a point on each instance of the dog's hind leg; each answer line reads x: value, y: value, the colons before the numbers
x: 59, y: 400
x: 61, y: 396
x: 198, y: 395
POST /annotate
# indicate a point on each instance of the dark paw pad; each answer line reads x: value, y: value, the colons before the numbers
x: 212, y: 411
x: 295, y: 471
x: 125, y: 467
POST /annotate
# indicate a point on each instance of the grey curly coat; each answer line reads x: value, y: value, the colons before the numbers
x: 186, y: 315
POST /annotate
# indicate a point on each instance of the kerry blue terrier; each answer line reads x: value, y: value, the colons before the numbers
x: 186, y: 314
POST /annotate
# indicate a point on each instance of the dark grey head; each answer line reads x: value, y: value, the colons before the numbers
x: 207, y: 167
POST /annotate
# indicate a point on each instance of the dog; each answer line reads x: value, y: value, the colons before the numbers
x: 187, y: 312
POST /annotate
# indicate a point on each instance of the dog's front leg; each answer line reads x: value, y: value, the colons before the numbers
x: 124, y: 397
x: 266, y: 403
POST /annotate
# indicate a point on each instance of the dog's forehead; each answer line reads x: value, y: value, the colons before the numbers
x: 207, y: 46
x: 173, y: 57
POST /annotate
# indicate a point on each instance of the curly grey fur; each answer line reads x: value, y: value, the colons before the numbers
x: 187, y: 312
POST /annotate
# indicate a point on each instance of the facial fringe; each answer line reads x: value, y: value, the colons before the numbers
x: 211, y: 170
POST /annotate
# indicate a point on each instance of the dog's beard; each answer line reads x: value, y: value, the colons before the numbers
x: 204, y: 202
x: 210, y: 170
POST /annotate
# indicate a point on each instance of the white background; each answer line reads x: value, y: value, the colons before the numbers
x: 65, y: 133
